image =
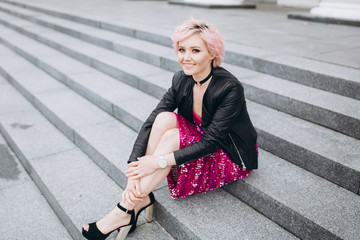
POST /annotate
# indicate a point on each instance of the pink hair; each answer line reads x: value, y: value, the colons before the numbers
x: 208, y: 32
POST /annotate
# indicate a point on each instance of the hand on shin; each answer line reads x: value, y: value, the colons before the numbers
x: 143, y: 167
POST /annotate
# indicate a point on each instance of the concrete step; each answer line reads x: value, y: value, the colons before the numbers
x: 75, y: 112
x: 314, y: 208
x: 100, y: 136
x: 329, y: 77
x: 121, y: 67
x: 304, y: 148
x: 21, y: 200
x: 296, y: 99
x: 74, y: 185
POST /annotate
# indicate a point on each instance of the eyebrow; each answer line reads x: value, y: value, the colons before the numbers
x: 190, y: 47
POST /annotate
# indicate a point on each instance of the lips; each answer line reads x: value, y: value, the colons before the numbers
x: 188, y: 65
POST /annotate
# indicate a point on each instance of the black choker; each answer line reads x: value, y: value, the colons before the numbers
x: 207, y: 78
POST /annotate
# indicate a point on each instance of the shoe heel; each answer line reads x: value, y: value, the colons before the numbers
x: 123, y: 232
x: 149, y: 212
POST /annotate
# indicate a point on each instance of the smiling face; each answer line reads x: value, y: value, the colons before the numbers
x: 194, y: 57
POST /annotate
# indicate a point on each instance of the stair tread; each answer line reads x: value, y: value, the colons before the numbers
x: 308, y: 194
x: 22, y: 201
x: 80, y: 179
x: 310, y: 136
x: 107, y: 56
x: 344, y: 72
x: 295, y: 61
x: 220, y: 213
x: 296, y: 91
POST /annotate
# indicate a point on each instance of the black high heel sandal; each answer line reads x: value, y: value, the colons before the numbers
x: 95, y: 234
x: 148, y: 213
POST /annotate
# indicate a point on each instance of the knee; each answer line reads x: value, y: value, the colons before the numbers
x: 165, y: 120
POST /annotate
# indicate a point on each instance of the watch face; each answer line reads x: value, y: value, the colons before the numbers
x: 162, y: 163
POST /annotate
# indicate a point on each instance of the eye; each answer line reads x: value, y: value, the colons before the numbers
x: 196, y: 50
x: 181, y: 50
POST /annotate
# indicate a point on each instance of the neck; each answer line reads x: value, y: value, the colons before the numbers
x: 205, y: 79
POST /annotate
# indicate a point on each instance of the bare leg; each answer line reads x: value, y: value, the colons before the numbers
x: 164, y: 138
x: 163, y: 122
x: 169, y: 142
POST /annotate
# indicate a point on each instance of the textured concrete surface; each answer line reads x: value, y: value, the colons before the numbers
x: 312, y: 197
x: 309, y: 146
x: 2, y: 80
x: 217, y: 212
x: 313, y: 137
x: 24, y: 123
x: 149, y: 231
x: 294, y: 68
x: 23, y: 209
x: 267, y: 27
x: 307, y: 16
x: 69, y: 175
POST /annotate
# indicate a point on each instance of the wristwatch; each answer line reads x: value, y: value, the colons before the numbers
x: 162, y: 162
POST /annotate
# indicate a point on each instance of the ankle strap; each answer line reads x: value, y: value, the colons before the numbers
x: 131, y: 212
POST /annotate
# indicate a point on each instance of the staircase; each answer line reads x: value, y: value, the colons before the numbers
x: 74, y: 92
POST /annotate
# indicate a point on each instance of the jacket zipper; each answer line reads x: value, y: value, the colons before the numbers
x: 242, y: 161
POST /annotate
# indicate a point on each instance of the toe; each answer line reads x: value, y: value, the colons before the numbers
x: 86, y: 227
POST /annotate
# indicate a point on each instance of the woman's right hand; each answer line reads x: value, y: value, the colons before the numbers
x: 132, y: 192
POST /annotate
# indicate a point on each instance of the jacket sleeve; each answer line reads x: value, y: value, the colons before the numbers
x: 229, y: 108
x: 166, y: 104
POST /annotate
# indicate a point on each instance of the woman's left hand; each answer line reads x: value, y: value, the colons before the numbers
x: 143, y: 167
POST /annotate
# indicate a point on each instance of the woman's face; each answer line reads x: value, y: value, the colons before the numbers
x: 194, y: 57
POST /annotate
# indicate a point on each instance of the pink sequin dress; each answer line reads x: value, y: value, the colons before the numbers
x: 203, y: 174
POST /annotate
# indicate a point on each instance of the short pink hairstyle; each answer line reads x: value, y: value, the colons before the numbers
x: 208, y: 32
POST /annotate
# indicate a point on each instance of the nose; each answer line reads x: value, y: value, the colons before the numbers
x: 187, y: 56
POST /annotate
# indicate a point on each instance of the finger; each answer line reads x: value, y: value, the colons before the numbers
x: 133, y: 164
x: 134, y: 198
x: 130, y: 170
x: 129, y: 199
x: 136, y: 172
x: 133, y: 167
x: 136, y: 177
x: 133, y: 174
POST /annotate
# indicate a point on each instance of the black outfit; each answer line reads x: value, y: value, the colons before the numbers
x: 225, y: 120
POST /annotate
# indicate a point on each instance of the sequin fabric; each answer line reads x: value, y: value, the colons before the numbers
x: 203, y: 174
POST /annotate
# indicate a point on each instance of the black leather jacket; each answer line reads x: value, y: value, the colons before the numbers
x: 225, y: 120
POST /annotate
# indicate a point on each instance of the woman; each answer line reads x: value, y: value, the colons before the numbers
x: 209, y: 143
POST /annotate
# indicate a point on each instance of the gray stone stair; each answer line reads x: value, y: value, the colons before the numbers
x: 289, y: 195
x: 303, y: 101
x: 329, y: 77
x: 87, y: 126
x: 76, y: 188
x: 20, y: 200
x: 90, y: 84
